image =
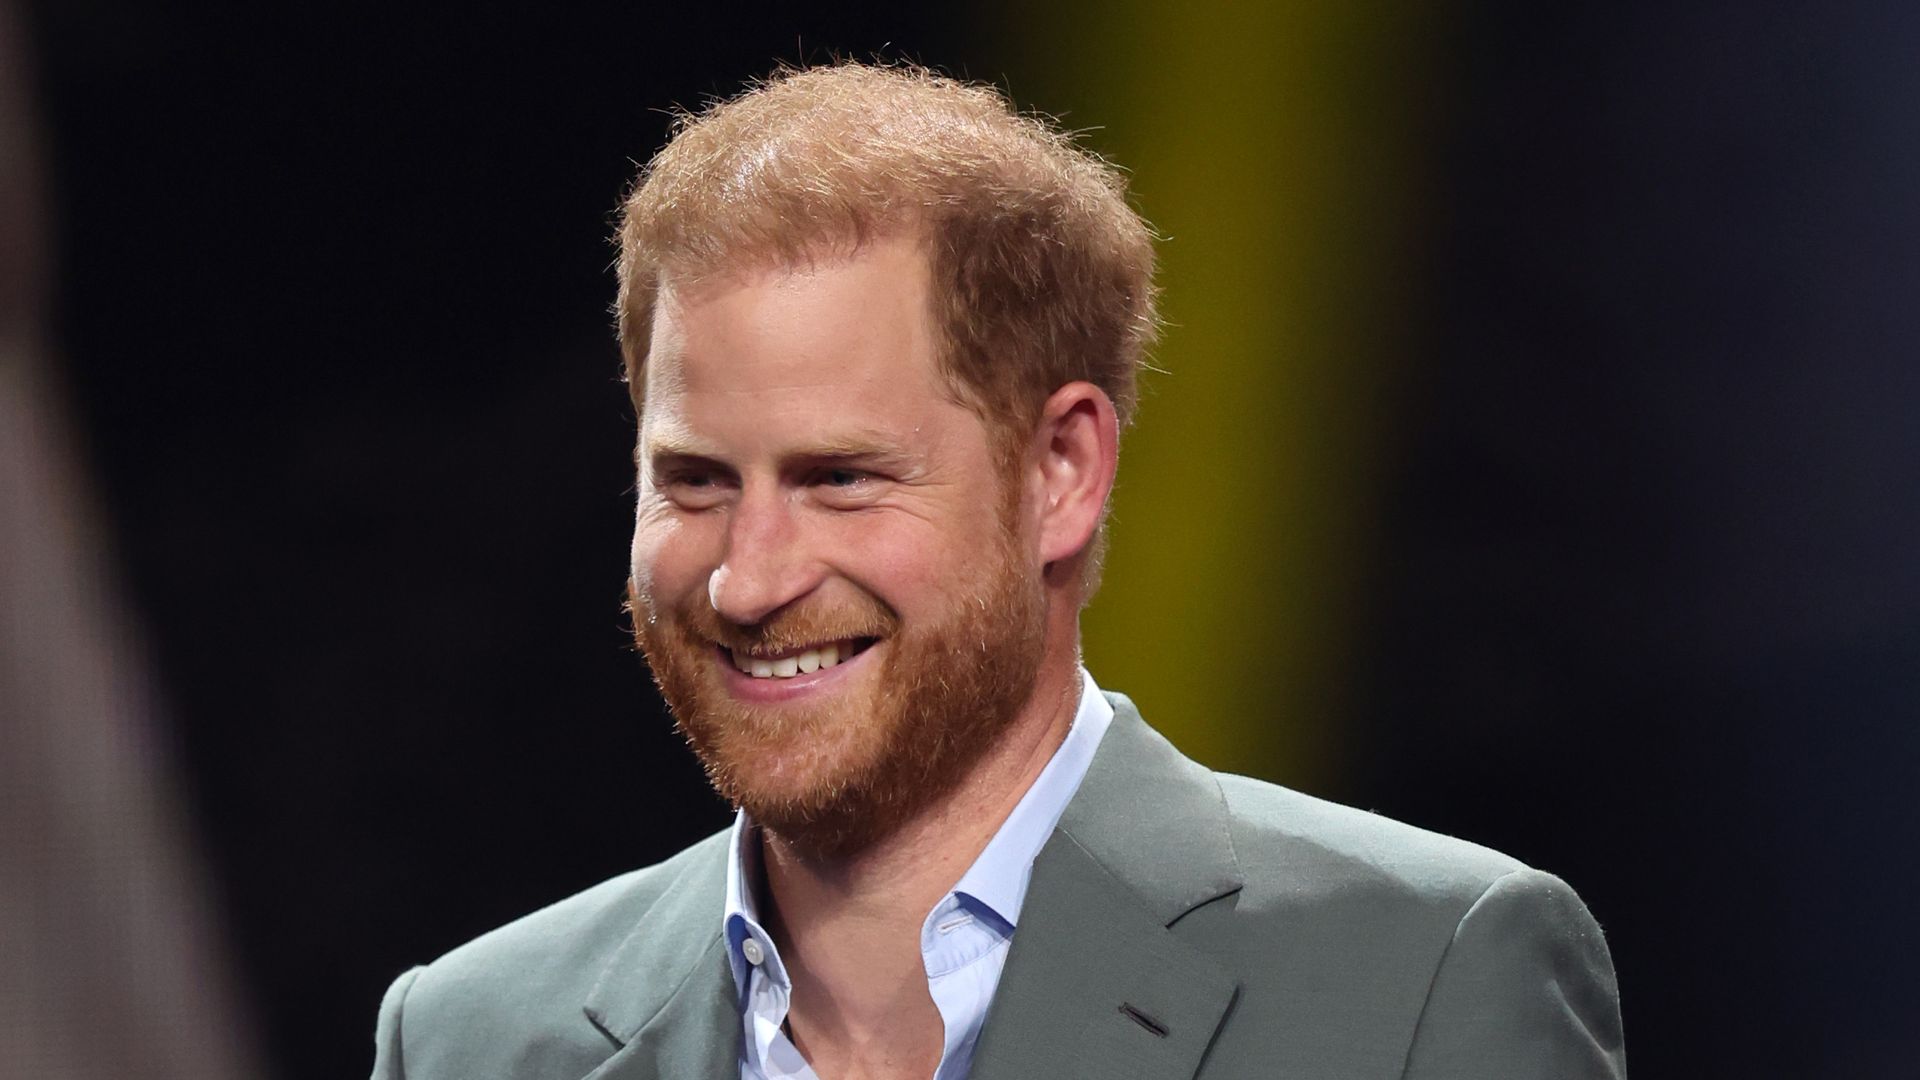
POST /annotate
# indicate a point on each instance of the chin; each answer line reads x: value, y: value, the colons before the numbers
x: 819, y: 807
x: 798, y: 764
x: 808, y: 776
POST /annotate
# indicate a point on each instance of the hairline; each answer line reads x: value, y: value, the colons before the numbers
x: 1006, y: 434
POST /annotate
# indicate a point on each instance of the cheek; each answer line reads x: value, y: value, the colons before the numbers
x: 669, y: 556
x: 911, y: 565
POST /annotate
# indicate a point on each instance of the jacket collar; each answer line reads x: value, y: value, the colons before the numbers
x: 1154, y: 819
x: 666, y: 995
x: 1096, y: 983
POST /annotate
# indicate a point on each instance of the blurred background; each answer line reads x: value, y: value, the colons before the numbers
x: 1536, y: 459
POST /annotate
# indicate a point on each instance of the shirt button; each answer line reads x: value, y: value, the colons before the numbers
x: 754, y: 953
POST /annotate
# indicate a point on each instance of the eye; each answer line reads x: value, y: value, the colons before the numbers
x: 844, y: 487
x: 694, y: 488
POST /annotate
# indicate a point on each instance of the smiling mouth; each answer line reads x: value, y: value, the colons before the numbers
x: 789, y: 663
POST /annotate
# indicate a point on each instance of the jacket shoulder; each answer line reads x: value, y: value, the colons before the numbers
x: 514, y: 996
x: 1360, y: 906
x: 561, y: 940
x: 1316, y: 844
x: 1349, y: 922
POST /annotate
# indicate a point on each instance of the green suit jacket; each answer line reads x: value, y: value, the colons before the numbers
x: 1180, y: 923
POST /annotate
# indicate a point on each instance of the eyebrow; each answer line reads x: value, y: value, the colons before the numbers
x: 858, y: 446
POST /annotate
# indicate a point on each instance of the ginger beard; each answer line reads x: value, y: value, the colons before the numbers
x: 833, y: 778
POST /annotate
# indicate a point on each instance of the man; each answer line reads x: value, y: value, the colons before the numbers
x: 882, y: 335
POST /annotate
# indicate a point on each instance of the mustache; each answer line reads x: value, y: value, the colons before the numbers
x: 789, y: 628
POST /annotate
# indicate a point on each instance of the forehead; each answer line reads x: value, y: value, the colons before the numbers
x: 820, y: 350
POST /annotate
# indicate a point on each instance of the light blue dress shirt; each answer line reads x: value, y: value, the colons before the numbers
x: 963, y: 941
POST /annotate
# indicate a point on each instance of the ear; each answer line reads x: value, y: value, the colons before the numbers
x: 1075, y: 450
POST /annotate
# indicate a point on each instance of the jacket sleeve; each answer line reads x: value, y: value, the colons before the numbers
x: 387, y: 1063
x: 1524, y: 991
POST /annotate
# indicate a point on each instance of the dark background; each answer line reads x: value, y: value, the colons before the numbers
x: 331, y: 295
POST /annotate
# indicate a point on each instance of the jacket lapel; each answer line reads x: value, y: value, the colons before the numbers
x: 667, y: 996
x: 1096, y: 984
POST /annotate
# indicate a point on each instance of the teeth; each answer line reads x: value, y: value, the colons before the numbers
x: 787, y: 667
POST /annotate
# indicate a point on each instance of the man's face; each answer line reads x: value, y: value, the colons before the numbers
x: 830, y: 578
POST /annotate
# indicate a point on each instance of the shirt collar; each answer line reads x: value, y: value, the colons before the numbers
x: 742, y: 916
x: 997, y: 879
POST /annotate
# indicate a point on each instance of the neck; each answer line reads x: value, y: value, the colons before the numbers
x: 849, y: 927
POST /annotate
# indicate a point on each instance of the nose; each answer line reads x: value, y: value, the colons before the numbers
x: 767, y: 564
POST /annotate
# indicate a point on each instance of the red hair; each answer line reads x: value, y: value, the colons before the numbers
x: 1042, y: 273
